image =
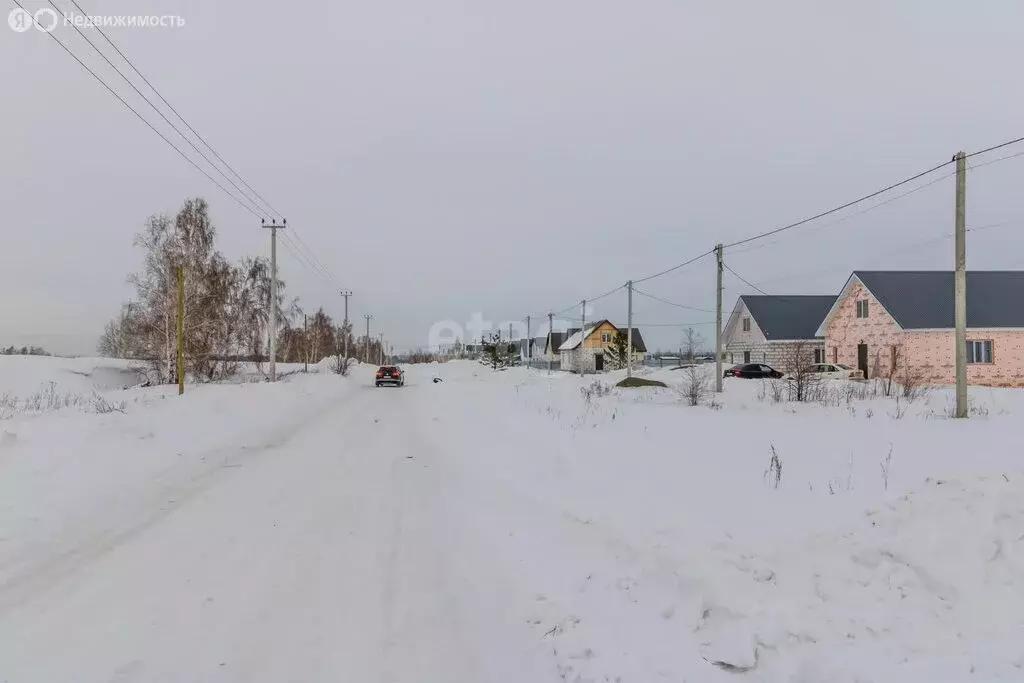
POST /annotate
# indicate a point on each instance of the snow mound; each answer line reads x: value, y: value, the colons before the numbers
x: 24, y: 375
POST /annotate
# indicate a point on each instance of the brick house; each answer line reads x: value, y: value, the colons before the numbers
x: 584, y: 351
x: 905, y: 320
x: 764, y: 329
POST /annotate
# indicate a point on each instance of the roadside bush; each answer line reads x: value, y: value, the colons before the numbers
x: 696, y: 385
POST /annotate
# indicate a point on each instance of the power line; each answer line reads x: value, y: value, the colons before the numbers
x: 993, y: 148
x: 143, y: 119
x: 307, y: 256
x: 876, y: 193
x: 841, y: 207
x: 670, y: 303
x: 855, y: 213
x: 674, y: 268
x: 154, y: 107
x: 742, y: 279
x: 175, y: 111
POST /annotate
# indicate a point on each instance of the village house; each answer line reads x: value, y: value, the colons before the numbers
x: 584, y: 351
x: 767, y: 329
x: 903, y: 322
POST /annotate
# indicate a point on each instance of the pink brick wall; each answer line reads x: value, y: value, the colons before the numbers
x: 932, y: 353
x: 929, y: 354
x: 845, y: 331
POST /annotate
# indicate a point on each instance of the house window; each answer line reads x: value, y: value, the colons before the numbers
x: 979, y: 351
x: 606, y: 337
x: 746, y: 324
x: 746, y: 356
x: 819, y: 355
x: 835, y: 354
x: 862, y: 308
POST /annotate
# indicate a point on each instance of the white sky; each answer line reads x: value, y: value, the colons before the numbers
x: 459, y: 156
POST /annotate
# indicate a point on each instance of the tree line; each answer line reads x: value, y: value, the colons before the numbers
x: 226, y: 312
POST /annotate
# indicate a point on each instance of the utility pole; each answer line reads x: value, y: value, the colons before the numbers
x: 380, y: 348
x: 181, y: 330
x: 583, y: 336
x: 551, y: 338
x: 346, y: 293
x: 960, y: 285
x: 529, y: 344
x: 629, y: 331
x: 305, y: 342
x: 274, y: 227
x: 366, y: 351
x: 718, y: 320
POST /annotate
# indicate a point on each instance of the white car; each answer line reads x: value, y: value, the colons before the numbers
x: 834, y: 371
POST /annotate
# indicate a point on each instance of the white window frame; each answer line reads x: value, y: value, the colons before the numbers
x: 985, y: 347
x: 862, y: 308
x: 746, y: 324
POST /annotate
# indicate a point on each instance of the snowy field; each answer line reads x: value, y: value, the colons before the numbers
x: 501, y: 526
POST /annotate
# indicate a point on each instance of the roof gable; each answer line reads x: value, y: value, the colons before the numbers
x: 577, y: 336
x: 921, y: 300
x: 788, y: 317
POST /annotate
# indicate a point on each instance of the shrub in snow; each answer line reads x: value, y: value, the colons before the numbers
x: 696, y: 385
x: 773, y: 475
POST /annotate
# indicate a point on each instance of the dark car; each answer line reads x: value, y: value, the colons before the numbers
x: 752, y: 371
x: 390, y: 374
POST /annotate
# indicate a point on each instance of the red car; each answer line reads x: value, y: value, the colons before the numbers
x: 390, y: 374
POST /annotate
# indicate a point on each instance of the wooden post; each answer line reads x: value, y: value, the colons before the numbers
x: 181, y: 330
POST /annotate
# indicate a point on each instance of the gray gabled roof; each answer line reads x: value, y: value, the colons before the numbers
x: 923, y: 299
x: 788, y: 317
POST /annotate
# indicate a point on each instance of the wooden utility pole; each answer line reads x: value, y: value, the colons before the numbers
x: 529, y: 343
x: 960, y: 285
x: 274, y: 227
x: 366, y: 351
x: 629, y: 331
x: 583, y: 337
x: 181, y: 330
x: 551, y: 339
x: 346, y: 293
x: 718, y: 319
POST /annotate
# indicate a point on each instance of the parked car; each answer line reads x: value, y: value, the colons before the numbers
x: 752, y: 371
x: 834, y: 371
x: 390, y: 374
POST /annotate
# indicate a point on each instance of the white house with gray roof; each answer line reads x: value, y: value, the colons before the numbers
x: 764, y: 329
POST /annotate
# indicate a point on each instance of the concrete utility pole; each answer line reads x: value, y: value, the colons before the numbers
x: 181, y: 330
x: 718, y: 320
x: 583, y: 337
x: 380, y: 348
x: 346, y: 293
x: 960, y: 285
x: 551, y: 338
x: 274, y: 227
x: 305, y: 342
x: 629, y: 331
x: 529, y: 343
x: 366, y: 351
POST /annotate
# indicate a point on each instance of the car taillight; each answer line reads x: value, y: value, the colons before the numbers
x: 735, y: 373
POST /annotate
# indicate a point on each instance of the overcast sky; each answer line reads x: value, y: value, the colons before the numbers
x: 457, y: 156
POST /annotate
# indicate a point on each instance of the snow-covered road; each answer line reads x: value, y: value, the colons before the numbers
x: 503, y: 527
x: 342, y: 550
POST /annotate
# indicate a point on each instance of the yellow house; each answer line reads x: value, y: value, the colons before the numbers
x: 584, y: 351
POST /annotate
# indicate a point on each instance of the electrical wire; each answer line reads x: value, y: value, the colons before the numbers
x: 145, y: 121
x: 878, y: 192
x: 249, y: 204
x: 674, y: 268
x: 670, y: 303
x: 746, y: 282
